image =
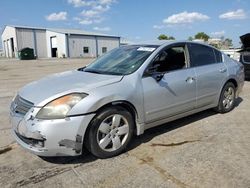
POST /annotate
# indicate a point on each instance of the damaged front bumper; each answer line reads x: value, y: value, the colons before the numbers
x: 60, y: 137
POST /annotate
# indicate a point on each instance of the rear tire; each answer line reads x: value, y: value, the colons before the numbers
x: 110, y: 132
x: 227, y: 98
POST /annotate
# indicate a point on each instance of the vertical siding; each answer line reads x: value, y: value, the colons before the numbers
x: 67, y: 45
x: 9, y: 32
x: 41, y: 44
x: 61, y: 40
x: 5, y: 48
x: 108, y: 42
x: 76, y: 44
x: 25, y: 38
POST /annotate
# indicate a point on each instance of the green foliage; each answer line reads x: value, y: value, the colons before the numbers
x: 171, y: 38
x: 165, y: 37
x: 228, y: 42
x: 190, y: 38
x: 202, y: 35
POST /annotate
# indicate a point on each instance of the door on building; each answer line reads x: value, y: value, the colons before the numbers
x: 53, y: 42
x: 12, y: 54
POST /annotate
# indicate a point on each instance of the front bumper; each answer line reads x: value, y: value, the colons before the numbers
x: 60, y: 137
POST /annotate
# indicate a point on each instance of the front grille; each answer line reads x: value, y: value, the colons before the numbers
x: 21, y: 106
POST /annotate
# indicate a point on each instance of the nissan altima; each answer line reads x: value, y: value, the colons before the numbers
x: 124, y: 92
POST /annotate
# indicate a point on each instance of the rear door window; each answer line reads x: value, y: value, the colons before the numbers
x: 201, y: 55
x: 218, y: 55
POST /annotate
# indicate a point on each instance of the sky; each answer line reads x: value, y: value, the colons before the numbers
x: 135, y: 20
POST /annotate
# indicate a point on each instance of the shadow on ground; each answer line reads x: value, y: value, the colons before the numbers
x: 148, y: 135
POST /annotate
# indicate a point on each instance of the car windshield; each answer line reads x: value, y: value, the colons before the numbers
x: 121, y: 61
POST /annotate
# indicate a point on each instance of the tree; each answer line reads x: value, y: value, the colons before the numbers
x: 228, y: 42
x: 171, y: 38
x: 216, y: 46
x: 165, y: 37
x: 202, y: 35
x: 190, y: 38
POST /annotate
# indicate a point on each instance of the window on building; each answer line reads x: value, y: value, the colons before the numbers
x: 85, y: 50
x: 104, y: 50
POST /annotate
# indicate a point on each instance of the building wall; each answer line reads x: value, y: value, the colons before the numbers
x: 8, y: 33
x: 41, y: 44
x: 78, y: 42
x: 95, y: 45
x: 108, y: 42
x: 61, y: 43
x: 32, y: 38
x: 25, y: 38
x: 68, y: 45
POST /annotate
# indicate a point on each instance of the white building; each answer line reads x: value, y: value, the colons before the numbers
x: 1, y: 53
x: 48, y: 42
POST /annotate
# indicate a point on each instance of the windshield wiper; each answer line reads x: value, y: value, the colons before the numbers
x: 81, y: 69
x: 92, y: 71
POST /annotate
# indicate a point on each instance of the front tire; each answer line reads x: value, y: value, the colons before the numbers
x: 227, y: 98
x: 110, y: 132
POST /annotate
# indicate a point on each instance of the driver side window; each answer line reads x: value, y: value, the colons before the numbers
x: 170, y: 59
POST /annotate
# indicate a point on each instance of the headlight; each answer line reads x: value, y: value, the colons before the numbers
x: 58, y: 108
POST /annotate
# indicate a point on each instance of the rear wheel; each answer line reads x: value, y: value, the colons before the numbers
x: 227, y: 98
x: 110, y: 132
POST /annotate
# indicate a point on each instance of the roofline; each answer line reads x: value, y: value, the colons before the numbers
x: 95, y: 35
x: 22, y: 27
x: 54, y: 30
x: 26, y: 27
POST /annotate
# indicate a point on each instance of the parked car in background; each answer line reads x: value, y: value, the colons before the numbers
x: 245, y: 54
x: 124, y: 92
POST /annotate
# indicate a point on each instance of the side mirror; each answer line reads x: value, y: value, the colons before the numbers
x: 158, y: 76
x: 152, y: 71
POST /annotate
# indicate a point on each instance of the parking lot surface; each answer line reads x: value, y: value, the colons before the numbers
x: 203, y: 150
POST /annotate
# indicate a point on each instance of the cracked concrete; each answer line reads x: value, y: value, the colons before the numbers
x: 175, y: 144
x: 164, y: 174
x: 7, y: 148
x: 203, y: 150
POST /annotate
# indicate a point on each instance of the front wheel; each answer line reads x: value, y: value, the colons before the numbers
x: 227, y: 98
x: 110, y: 132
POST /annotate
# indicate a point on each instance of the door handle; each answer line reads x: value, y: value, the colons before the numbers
x: 222, y: 70
x: 190, y: 79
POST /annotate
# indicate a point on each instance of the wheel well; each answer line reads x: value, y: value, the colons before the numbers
x: 234, y: 82
x: 127, y: 105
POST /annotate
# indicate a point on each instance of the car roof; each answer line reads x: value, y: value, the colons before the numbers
x: 158, y: 43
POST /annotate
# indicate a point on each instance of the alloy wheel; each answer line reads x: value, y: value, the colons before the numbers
x: 228, y: 99
x: 112, y: 132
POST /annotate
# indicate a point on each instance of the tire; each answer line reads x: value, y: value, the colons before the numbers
x: 110, y: 132
x: 227, y: 98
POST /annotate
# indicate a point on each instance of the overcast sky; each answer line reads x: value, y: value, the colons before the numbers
x: 136, y: 20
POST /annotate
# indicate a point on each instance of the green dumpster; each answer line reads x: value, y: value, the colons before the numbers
x: 26, y: 54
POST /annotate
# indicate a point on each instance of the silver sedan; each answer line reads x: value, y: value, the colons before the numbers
x: 128, y: 90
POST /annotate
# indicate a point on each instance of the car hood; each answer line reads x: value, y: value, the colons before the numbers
x: 245, y: 39
x: 56, y: 85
